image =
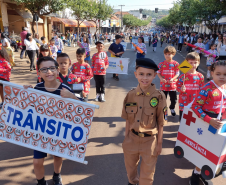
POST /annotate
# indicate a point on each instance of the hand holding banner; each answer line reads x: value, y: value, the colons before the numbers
x: 45, y: 122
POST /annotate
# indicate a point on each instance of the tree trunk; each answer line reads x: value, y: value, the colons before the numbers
x: 32, y: 27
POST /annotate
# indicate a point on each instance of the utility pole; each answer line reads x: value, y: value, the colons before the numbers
x: 121, y: 15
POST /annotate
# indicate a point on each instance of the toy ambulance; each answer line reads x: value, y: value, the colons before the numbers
x: 202, y: 145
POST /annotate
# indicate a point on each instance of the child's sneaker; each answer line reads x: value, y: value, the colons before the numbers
x: 173, y: 113
x: 57, y: 180
x: 97, y: 97
x: 102, y: 98
x: 195, y: 179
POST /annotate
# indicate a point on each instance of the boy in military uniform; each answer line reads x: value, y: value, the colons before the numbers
x: 145, y: 112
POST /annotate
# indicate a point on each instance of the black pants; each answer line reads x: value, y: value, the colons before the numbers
x: 149, y: 43
x: 31, y: 55
x: 100, y: 83
x: 200, y: 54
x: 173, y: 98
x: 161, y: 43
x: 181, y: 112
x: 189, y: 49
x: 37, y: 53
x: 180, y: 46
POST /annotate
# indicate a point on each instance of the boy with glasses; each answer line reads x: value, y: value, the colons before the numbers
x: 48, y: 71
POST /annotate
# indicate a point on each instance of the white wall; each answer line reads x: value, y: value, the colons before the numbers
x: 136, y: 14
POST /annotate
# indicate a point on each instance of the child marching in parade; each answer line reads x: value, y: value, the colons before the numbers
x: 168, y: 73
x: 44, y: 52
x: 83, y: 71
x: 116, y: 49
x: 142, y: 46
x: 210, y: 59
x: 65, y: 75
x: 53, y: 49
x: 145, y: 112
x: 48, y: 71
x: 201, y: 45
x: 99, y: 65
x: 5, y: 70
x: 86, y: 45
x: 189, y: 84
x: 209, y: 105
x: 154, y: 42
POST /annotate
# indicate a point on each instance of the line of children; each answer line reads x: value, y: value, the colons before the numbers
x: 142, y: 46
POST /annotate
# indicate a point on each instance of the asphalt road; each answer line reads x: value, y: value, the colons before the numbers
x: 104, y: 152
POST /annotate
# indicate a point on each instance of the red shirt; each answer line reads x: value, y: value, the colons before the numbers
x: 99, y: 61
x: 23, y: 35
x: 208, y: 100
x: 84, y: 72
x: 5, y: 69
x: 168, y: 70
x: 193, y: 84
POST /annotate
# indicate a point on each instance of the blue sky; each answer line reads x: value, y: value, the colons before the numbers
x: 136, y: 4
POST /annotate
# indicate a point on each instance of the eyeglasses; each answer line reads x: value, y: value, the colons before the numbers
x: 45, y: 69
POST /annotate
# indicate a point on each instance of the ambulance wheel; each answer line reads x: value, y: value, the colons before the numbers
x: 178, y: 152
x: 207, y: 172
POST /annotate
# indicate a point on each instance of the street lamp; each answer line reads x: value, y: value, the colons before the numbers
x: 121, y: 15
x: 140, y: 10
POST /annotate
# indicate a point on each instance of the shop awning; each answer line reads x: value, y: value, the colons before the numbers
x: 73, y: 23
x: 89, y: 24
x: 66, y: 22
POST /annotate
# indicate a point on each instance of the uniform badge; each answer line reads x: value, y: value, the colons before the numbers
x: 165, y: 113
x: 154, y: 102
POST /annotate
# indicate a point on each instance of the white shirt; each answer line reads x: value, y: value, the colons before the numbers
x: 4, y: 41
x: 30, y: 45
x: 222, y: 51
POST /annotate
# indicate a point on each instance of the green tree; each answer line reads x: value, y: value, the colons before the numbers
x: 175, y: 14
x: 80, y: 9
x: 40, y: 7
x: 188, y: 12
x: 164, y: 22
x: 131, y: 21
x: 99, y: 11
x: 209, y: 12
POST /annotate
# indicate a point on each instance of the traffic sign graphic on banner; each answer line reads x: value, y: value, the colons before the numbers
x: 45, y: 122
